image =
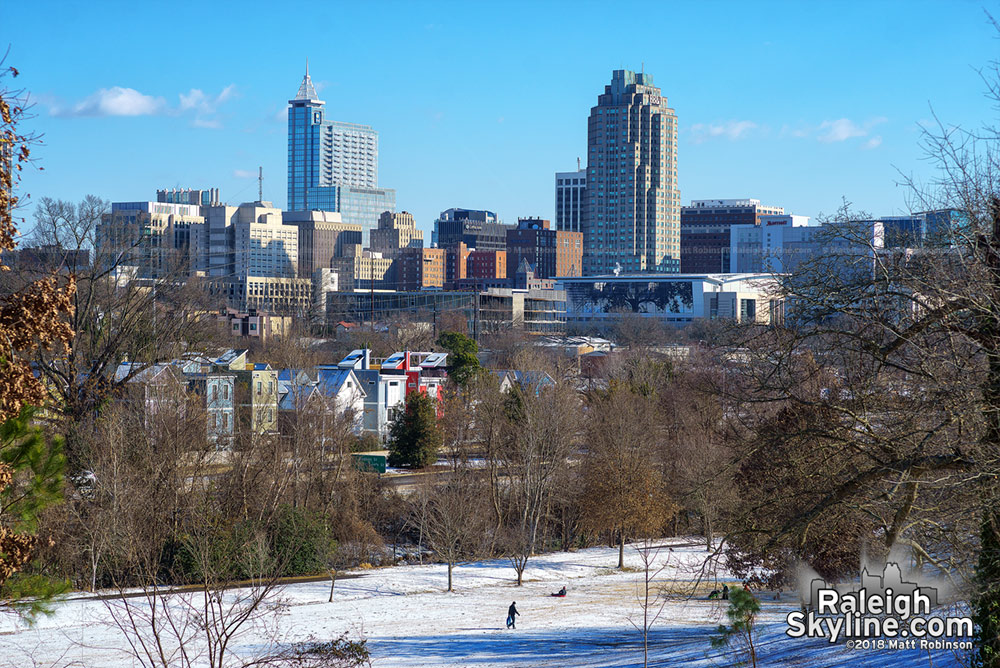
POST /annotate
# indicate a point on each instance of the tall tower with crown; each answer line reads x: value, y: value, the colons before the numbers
x: 333, y: 166
x: 305, y: 129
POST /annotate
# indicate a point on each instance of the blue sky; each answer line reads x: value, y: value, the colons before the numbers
x: 478, y: 104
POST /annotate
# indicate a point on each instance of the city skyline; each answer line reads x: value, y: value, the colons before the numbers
x: 789, y: 107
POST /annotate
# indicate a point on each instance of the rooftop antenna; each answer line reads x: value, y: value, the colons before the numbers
x: 578, y: 163
x: 260, y: 184
x: 307, y: 66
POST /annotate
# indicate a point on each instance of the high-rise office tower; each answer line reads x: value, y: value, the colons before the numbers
x: 159, y: 239
x: 250, y: 258
x: 631, y: 219
x: 322, y: 236
x: 477, y: 229
x: 333, y: 166
x: 395, y: 232
x: 570, y: 191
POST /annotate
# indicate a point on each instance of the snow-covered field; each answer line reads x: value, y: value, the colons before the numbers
x: 409, y: 620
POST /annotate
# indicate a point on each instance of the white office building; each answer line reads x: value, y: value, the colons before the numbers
x: 781, y: 243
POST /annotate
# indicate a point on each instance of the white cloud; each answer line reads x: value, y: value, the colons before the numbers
x: 874, y: 142
x: 118, y: 101
x: 192, y: 100
x: 731, y: 130
x: 196, y: 99
x: 843, y: 129
x: 797, y: 132
x: 243, y: 174
x: 115, y: 101
x: 205, y: 106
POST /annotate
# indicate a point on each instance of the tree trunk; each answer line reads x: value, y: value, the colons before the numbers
x: 708, y: 532
x: 333, y: 581
x: 621, y: 549
x: 449, y: 575
x: 93, y: 571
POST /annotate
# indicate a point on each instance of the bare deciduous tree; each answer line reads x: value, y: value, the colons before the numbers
x: 623, y: 490
x: 114, y: 317
x: 651, y: 598
x: 540, y: 431
x: 451, y: 518
x: 886, y: 376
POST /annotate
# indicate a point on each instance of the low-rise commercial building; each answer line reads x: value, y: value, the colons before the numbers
x: 420, y: 268
x: 600, y: 301
x: 550, y: 252
x: 487, y: 264
x: 256, y: 325
x: 705, y: 231
x: 535, y: 311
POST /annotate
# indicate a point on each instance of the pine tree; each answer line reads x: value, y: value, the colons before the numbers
x: 741, y: 633
x: 31, y: 468
x: 414, y: 437
x: 463, y: 364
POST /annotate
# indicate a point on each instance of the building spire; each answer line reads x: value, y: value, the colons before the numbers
x: 307, y: 91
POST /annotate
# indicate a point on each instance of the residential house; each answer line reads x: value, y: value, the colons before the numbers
x: 217, y: 396
x: 527, y: 381
x: 159, y: 388
x: 384, y: 394
x: 168, y: 388
x: 342, y: 390
x: 256, y: 392
x: 296, y: 390
x: 334, y: 391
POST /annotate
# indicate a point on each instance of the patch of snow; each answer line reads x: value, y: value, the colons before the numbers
x: 410, y: 620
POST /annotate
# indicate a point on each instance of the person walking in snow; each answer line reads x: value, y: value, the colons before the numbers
x: 511, y: 613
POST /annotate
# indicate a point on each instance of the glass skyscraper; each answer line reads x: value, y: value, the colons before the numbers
x: 333, y: 166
